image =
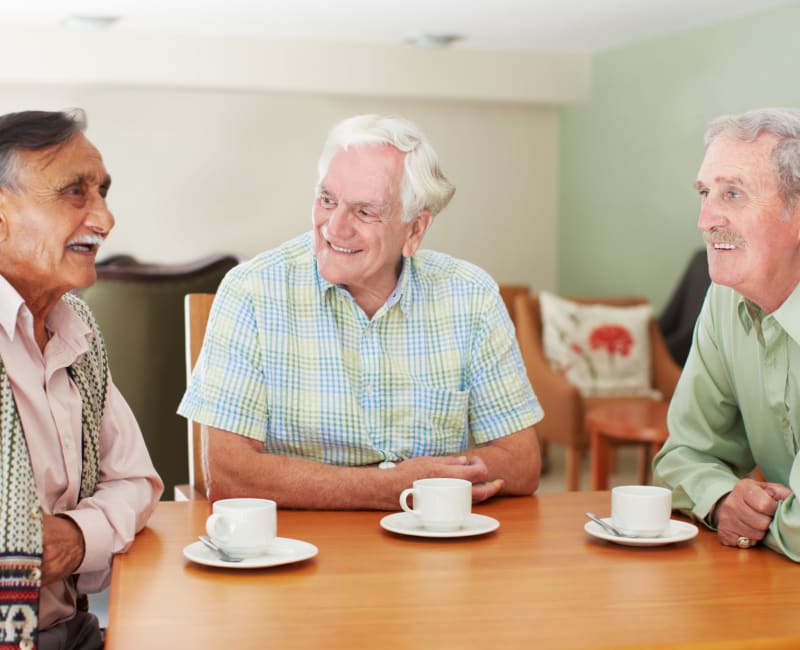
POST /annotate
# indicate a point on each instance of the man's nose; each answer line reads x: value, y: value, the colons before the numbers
x: 340, y: 220
x: 100, y: 219
x: 711, y: 216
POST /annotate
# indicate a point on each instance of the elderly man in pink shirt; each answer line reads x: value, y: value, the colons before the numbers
x: 76, y: 481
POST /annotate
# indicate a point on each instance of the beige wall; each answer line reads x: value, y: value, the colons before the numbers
x: 198, y: 171
x: 212, y: 142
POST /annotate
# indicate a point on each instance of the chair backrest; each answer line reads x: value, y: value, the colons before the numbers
x: 561, y: 400
x: 677, y: 320
x: 509, y: 293
x: 664, y: 371
x: 197, y: 309
x: 140, y: 311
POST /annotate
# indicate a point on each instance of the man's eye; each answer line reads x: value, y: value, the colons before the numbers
x: 368, y: 216
x: 732, y: 194
x: 75, y: 190
x: 327, y: 201
x: 703, y: 194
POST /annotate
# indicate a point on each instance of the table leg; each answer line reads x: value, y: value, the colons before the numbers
x: 599, y: 462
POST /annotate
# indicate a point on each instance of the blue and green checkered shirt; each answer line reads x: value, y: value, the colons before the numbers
x: 290, y: 359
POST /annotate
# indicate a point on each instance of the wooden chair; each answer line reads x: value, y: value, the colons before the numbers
x: 197, y: 307
x: 563, y: 404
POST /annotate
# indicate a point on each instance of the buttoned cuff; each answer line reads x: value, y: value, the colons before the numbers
x: 705, y: 504
x: 97, y: 539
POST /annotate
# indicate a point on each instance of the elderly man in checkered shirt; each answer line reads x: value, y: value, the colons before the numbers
x: 345, y: 364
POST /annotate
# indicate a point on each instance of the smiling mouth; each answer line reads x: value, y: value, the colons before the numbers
x: 723, y: 246
x: 339, y: 249
x: 88, y: 244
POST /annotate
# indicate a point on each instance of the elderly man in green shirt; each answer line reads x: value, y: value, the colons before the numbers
x: 736, y: 405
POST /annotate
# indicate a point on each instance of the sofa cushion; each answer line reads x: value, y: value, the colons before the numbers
x: 603, y: 350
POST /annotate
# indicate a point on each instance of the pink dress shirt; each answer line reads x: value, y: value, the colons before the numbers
x: 49, y: 406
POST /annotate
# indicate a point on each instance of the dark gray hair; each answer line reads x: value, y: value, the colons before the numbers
x: 783, y: 122
x: 425, y: 187
x: 33, y: 130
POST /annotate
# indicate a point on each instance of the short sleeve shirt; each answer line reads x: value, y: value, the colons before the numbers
x: 291, y: 360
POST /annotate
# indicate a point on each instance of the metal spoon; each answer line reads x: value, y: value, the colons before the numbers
x: 604, y: 524
x: 222, y: 554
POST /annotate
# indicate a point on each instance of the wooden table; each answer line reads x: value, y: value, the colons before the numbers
x: 539, y: 582
x: 637, y: 422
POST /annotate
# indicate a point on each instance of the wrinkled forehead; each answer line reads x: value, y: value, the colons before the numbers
x: 371, y: 173
x: 728, y: 158
x: 77, y: 157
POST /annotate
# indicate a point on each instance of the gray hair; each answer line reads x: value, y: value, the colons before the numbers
x: 425, y: 187
x: 783, y: 122
x: 34, y: 130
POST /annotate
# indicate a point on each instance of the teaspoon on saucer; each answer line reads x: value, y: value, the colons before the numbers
x: 222, y: 554
x: 605, y: 525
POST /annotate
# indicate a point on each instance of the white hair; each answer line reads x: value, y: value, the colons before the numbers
x: 425, y: 187
x: 782, y: 122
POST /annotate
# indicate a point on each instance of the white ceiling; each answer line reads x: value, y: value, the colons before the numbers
x: 579, y: 26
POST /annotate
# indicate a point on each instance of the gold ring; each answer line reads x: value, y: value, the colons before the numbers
x: 744, y: 542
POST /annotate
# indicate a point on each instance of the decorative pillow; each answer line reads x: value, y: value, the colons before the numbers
x: 603, y: 350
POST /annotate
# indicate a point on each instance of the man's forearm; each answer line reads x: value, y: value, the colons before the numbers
x: 515, y: 459
x: 238, y: 469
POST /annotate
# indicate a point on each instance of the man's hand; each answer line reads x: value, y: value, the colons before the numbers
x: 470, y: 468
x: 63, y: 548
x: 747, y: 510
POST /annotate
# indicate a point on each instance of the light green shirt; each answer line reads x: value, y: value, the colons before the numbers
x: 735, y: 408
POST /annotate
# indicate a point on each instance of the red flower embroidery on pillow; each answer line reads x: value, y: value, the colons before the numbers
x: 615, y: 339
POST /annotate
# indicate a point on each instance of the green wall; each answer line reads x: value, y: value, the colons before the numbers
x: 629, y: 155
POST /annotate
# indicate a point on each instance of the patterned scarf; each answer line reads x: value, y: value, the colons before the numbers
x: 20, y: 514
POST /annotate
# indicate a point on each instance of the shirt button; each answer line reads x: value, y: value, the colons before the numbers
x: 35, y: 575
x: 785, y: 422
x: 36, y: 512
x: 26, y: 644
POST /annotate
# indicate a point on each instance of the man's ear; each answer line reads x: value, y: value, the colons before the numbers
x: 419, y: 226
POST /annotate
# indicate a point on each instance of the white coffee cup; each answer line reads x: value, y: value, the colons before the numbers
x: 243, y: 527
x: 440, y: 504
x: 641, y: 510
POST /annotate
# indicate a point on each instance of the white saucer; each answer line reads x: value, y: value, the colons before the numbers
x: 405, y: 523
x: 283, y: 551
x: 678, y: 531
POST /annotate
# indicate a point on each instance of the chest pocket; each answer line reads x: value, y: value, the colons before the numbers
x: 437, y: 420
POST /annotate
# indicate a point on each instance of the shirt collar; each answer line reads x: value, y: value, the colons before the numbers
x: 398, y: 294
x: 10, y: 304
x: 788, y: 314
x: 61, y: 319
x: 400, y: 288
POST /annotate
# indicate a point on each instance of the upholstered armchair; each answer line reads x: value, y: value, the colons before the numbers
x: 139, y: 308
x: 563, y: 404
x: 509, y: 293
